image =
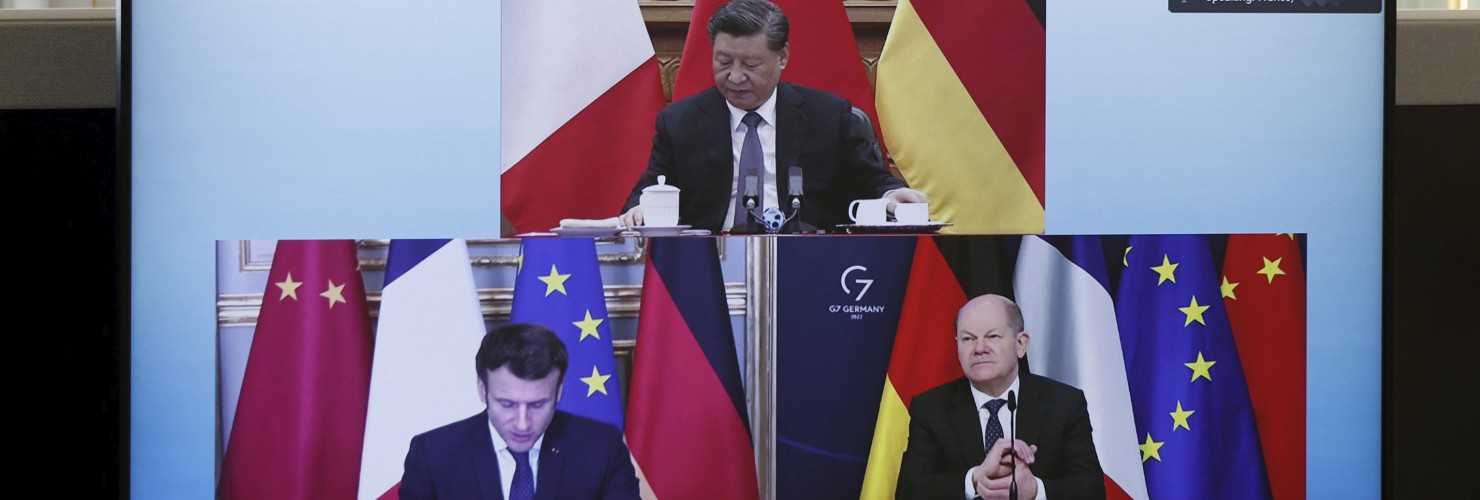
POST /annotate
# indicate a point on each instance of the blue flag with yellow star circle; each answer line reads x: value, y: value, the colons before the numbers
x: 559, y: 286
x: 1194, y: 421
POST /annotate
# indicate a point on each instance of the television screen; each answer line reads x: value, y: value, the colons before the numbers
x: 353, y: 119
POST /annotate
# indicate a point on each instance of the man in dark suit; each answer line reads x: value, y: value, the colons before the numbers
x: 750, y: 124
x: 960, y: 442
x: 521, y: 448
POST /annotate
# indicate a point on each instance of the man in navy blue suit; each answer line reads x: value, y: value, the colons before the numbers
x: 521, y: 448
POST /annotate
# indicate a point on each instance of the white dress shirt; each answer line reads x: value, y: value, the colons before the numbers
x: 506, y: 464
x: 1004, y: 420
x: 767, y: 132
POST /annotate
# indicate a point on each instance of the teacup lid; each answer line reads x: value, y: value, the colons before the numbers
x: 661, y: 187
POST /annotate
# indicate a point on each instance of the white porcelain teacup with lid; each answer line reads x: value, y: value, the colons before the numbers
x: 659, y: 204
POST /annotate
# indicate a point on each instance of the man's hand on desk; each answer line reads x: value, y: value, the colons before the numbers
x: 904, y: 195
x: 633, y: 218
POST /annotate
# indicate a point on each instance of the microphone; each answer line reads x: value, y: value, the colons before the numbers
x: 752, y: 183
x: 794, y: 187
x: 1012, y: 492
x: 749, y: 200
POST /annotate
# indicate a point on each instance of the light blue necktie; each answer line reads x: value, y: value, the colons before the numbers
x: 752, y: 162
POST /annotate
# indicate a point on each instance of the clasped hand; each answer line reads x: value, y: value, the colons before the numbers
x: 993, y: 478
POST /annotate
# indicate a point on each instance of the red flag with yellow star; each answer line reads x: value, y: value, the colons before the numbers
x: 1263, y: 288
x: 300, y: 420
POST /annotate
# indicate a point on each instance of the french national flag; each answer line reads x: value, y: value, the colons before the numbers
x: 580, y: 92
x: 1062, y: 287
x: 422, y: 376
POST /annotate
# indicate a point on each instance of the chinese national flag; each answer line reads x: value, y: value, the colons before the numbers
x: 301, y: 416
x: 1264, y: 290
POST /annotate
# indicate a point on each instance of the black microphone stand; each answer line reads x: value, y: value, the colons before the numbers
x: 1012, y: 491
x: 794, y: 224
x: 749, y: 224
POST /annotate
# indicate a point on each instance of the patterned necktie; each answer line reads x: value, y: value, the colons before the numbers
x: 752, y: 162
x: 994, y: 429
x: 523, y: 487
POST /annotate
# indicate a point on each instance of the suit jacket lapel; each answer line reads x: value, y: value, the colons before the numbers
x: 714, y: 129
x: 966, y: 423
x: 791, y: 122
x: 485, y: 461
x: 547, y: 485
x: 1030, y: 411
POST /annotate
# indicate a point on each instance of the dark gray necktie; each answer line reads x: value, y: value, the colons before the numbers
x: 523, y: 486
x: 994, y: 429
x: 752, y: 162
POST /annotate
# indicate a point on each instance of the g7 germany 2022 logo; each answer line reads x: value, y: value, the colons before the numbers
x: 854, y: 281
x: 865, y: 283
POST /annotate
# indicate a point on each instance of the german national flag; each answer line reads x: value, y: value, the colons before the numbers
x: 961, y: 101
x: 687, y: 424
x: 946, y: 271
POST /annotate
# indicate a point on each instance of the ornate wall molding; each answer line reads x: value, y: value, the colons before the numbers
x: 622, y: 301
x: 860, y: 12
x: 256, y: 259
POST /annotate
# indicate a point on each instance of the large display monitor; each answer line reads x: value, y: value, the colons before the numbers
x: 344, y: 119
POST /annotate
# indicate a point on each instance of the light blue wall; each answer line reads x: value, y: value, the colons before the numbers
x: 1206, y: 123
x: 283, y: 119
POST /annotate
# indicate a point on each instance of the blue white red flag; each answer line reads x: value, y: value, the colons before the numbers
x: 423, y: 377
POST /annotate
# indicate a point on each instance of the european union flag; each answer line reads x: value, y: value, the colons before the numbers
x: 1193, y: 418
x: 559, y: 286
